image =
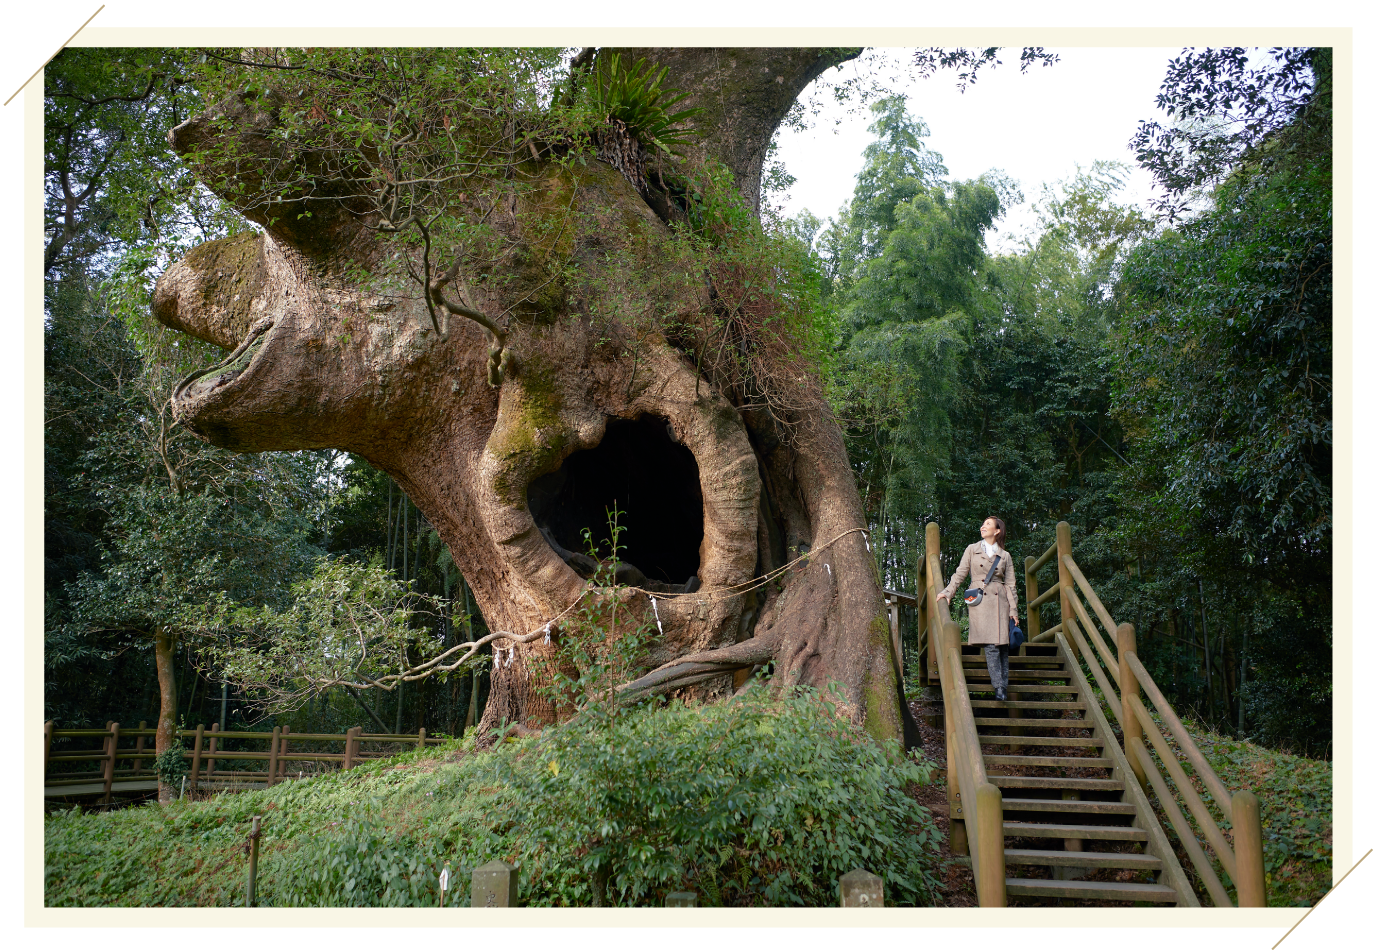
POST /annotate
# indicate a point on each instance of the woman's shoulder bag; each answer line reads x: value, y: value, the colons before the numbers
x: 973, y: 595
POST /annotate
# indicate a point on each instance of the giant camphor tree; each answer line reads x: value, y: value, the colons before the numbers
x: 536, y: 293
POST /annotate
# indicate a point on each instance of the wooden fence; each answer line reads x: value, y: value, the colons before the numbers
x: 87, y: 761
x: 1110, y: 655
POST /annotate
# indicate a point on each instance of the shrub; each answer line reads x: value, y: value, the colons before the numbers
x: 748, y: 802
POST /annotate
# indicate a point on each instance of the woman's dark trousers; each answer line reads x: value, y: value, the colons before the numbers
x: 998, y: 664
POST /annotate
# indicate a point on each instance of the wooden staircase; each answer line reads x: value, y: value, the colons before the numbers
x: 1042, y: 796
x: 1072, y: 827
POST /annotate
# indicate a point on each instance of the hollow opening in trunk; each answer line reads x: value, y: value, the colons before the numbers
x: 652, y: 480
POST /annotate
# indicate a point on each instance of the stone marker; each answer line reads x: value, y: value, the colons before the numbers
x: 681, y: 899
x: 494, y: 885
x: 858, y: 888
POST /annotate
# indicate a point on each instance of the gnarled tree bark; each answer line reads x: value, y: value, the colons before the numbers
x: 323, y: 358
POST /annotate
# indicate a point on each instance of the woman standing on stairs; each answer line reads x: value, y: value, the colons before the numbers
x: 987, y: 621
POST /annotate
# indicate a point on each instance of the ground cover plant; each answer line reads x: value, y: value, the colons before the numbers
x: 758, y: 801
x: 1295, y: 795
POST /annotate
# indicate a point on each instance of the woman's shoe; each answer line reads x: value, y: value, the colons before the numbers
x: 1001, y: 695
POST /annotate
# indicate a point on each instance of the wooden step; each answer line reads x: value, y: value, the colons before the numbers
x: 974, y: 673
x: 1078, y: 742
x: 1050, y: 761
x: 1083, y: 859
x: 1037, y: 781
x: 1016, y: 663
x: 1025, y: 704
x: 1075, y: 805
x: 1040, y: 723
x: 1099, y: 890
x: 1036, y: 829
x: 1023, y: 688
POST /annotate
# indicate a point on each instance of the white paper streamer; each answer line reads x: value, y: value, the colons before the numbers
x: 826, y: 568
x: 548, y: 634
x: 657, y: 615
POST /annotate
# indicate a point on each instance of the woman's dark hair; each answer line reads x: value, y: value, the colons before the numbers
x: 1001, y: 531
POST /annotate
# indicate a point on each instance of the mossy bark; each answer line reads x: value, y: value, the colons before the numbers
x: 587, y: 279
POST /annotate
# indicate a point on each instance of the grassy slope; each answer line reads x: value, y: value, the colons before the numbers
x: 1295, y: 812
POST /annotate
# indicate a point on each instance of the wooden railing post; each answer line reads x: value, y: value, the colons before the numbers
x: 1248, y: 844
x: 47, y: 744
x: 1131, y: 732
x: 211, y: 760
x: 958, y: 828
x: 139, y: 748
x: 990, y: 867
x: 932, y: 548
x: 421, y: 738
x: 112, y: 748
x: 351, y: 743
x: 196, y: 756
x: 282, y: 753
x: 1032, y: 614
x: 273, y: 755
x: 1063, y: 542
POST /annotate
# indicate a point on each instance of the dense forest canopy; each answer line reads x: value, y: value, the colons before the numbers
x: 1162, y: 383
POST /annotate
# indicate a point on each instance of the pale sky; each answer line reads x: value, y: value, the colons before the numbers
x: 1037, y: 127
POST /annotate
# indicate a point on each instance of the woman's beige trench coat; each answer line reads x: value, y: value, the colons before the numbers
x: 986, y: 621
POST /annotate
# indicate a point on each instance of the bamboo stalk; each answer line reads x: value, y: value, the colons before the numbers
x: 47, y: 743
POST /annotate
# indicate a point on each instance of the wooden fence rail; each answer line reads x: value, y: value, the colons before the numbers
x: 206, y: 753
x: 1109, y: 654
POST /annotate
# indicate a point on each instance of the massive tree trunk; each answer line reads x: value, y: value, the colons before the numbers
x: 599, y: 403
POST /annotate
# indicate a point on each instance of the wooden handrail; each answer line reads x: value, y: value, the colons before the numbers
x: 1103, y: 683
x: 1187, y: 839
x: 1044, y: 559
x: 1044, y: 598
x: 1188, y: 793
x: 1103, y: 651
x: 1121, y: 684
x: 1107, y: 622
x: 1186, y: 744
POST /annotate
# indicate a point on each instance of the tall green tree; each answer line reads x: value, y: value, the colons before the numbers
x: 904, y: 261
x: 1224, y: 355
